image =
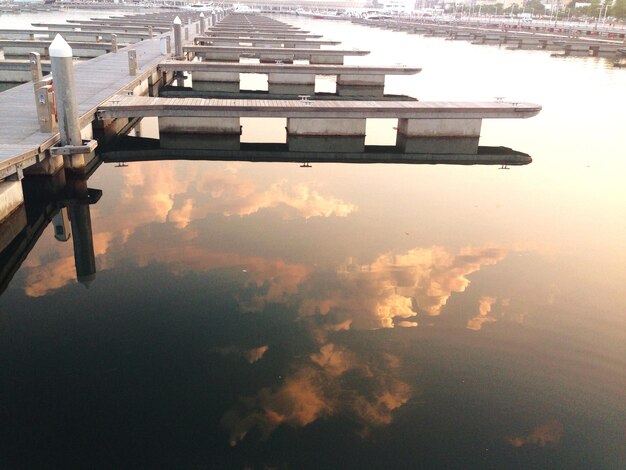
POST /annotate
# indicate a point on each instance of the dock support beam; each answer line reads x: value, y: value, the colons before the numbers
x: 67, y: 109
x: 215, y: 81
x: 426, y: 135
x: 326, y: 59
x: 326, y: 135
x: 200, y: 133
x: 290, y: 83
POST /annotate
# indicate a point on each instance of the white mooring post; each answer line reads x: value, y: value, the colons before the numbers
x: 178, y: 39
x: 65, y: 94
x: 202, y: 26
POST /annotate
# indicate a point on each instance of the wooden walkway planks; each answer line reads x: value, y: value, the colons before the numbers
x: 139, y: 106
x: 96, y: 81
x: 269, y: 50
x: 317, y: 69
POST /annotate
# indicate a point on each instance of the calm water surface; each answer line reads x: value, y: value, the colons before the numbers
x: 344, y: 316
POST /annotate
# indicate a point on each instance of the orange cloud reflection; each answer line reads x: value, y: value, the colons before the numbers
x: 315, y: 390
x: 395, y: 287
x: 484, y: 308
x: 544, y: 435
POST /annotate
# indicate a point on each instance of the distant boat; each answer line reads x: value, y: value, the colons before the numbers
x: 200, y: 7
x: 238, y: 8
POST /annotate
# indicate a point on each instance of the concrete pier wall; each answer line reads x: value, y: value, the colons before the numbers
x: 291, y: 78
x: 361, y: 80
x: 439, y: 127
x: 326, y: 59
x: 12, y: 225
x: 326, y: 127
x: 11, y: 197
x: 199, y: 125
x: 215, y: 77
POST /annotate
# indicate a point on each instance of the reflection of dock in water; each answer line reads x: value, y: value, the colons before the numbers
x: 135, y: 149
x: 55, y: 200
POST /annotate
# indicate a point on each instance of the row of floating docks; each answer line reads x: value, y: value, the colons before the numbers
x: 210, y: 126
x: 561, y: 41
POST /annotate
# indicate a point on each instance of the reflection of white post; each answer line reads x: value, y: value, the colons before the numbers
x: 178, y: 38
x: 65, y: 96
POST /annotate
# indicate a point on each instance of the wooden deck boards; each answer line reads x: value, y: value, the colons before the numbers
x: 318, y: 69
x: 96, y: 81
x: 139, y: 106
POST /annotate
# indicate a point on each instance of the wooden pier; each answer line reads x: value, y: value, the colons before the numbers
x: 114, y: 90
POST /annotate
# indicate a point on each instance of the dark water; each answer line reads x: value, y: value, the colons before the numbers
x: 343, y: 316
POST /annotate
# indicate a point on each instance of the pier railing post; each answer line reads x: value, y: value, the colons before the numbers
x: 44, y: 96
x: 178, y: 39
x: 132, y: 62
x: 35, y: 67
x: 113, y: 42
x: 150, y: 32
x: 65, y: 96
x: 44, y: 101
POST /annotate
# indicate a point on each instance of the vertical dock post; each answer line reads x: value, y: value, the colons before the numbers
x: 150, y: 33
x: 178, y: 39
x: 202, y: 26
x: 113, y: 42
x: 132, y: 62
x: 67, y: 109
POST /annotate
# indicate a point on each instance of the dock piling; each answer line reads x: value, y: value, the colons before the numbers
x: 65, y: 96
x: 113, y: 42
x: 178, y: 39
x: 202, y: 25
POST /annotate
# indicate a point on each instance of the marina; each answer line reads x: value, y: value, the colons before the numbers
x: 342, y: 124
x: 413, y: 258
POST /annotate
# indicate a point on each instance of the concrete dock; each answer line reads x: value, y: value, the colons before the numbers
x: 562, y: 41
